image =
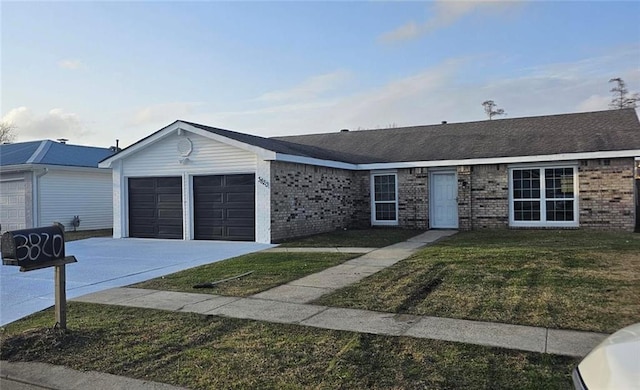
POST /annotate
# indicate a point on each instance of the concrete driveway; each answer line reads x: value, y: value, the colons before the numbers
x: 105, y: 263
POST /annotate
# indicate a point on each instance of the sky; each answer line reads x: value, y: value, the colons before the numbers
x: 94, y: 72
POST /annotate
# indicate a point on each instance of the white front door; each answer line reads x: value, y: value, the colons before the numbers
x: 444, y: 200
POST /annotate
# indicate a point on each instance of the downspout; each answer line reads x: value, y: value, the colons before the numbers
x: 36, y: 195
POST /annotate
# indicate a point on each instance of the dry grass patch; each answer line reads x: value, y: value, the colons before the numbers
x: 569, y: 279
x: 270, y: 269
x: 207, y: 352
x: 365, y: 238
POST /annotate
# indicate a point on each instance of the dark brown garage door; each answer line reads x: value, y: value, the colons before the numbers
x: 224, y: 207
x: 155, y: 207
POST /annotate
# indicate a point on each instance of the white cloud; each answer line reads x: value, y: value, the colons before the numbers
x: 435, y: 94
x: 311, y: 88
x: 320, y: 104
x: 52, y: 125
x: 594, y: 103
x: 404, y: 101
x: 70, y: 64
x: 443, y: 13
x: 162, y: 114
x: 405, y: 32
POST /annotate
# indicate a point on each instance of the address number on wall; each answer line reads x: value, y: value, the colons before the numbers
x: 263, y: 181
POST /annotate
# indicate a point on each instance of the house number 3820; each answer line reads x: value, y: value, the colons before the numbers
x: 36, y: 246
x: 263, y: 181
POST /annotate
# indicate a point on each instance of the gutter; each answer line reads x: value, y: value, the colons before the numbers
x: 35, y: 202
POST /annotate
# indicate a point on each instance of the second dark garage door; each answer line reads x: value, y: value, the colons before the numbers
x: 224, y: 207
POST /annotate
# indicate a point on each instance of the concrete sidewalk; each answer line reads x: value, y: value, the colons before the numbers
x: 519, y: 337
x: 37, y: 376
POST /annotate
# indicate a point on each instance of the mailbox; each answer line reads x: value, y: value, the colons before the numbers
x: 32, y: 247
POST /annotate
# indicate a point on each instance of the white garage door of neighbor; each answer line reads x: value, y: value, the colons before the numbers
x: 12, y: 207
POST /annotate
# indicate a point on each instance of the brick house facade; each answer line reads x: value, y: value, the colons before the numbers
x: 309, y: 200
x: 559, y: 171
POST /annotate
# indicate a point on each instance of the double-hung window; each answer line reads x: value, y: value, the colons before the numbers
x: 545, y: 196
x: 384, y: 199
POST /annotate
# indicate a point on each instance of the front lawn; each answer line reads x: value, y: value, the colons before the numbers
x: 208, y: 352
x: 364, y: 238
x: 270, y: 269
x: 584, y: 280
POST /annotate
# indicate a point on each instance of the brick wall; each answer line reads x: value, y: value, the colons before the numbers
x: 489, y: 196
x: 307, y: 199
x: 606, y: 198
x: 413, y: 195
x: 465, y: 211
x: 607, y: 194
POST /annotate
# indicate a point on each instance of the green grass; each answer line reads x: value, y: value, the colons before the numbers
x: 582, y: 280
x: 208, y: 352
x: 365, y: 238
x: 270, y: 269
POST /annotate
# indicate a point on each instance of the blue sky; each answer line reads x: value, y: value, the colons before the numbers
x: 96, y: 71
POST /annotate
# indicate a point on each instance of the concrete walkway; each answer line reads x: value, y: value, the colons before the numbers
x: 314, y: 286
x: 289, y: 304
x: 38, y: 376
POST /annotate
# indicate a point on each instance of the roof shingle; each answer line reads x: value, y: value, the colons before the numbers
x: 612, y: 130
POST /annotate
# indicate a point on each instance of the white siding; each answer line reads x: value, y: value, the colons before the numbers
x: 119, y: 204
x: 64, y: 194
x: 13, y: 206
x: 208, y: 157
x: 163, y: 158
x: 263, y: 202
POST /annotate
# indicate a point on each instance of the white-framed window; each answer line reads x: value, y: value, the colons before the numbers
x: 543, y: 196
x: 384, y: 199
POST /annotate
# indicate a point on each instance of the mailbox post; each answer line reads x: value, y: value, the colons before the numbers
x: 37, y: 248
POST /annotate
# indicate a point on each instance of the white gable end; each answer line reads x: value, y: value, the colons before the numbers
x: 188, y: 152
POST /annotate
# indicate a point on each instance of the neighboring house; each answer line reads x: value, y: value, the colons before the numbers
x: 638, y: 194
x: 42, y: 182
x: 192, y: 181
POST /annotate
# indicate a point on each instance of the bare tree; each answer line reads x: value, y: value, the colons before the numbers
x: 620, y: 99
x: 491, y: 109
x: 6, y: 132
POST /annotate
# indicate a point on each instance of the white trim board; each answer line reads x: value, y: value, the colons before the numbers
x: 502, y: 160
